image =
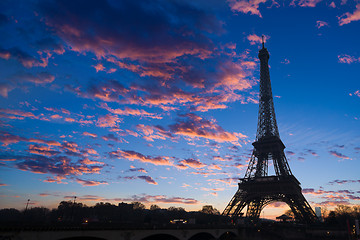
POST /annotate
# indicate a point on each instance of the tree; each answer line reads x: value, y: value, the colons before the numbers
x: 154, y: 207
x: 138, y: 206
x: 209, y: 209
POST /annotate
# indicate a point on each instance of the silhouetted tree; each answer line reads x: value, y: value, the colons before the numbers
x: 154, y: 207
x: 209, y: 209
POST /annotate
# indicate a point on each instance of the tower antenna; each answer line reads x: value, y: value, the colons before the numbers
x: 263, y: 43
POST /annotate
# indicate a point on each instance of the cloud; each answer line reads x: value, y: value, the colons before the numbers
x: 154, y: 132
x: 108, y: 120
x: 148, y: 179
x: 17, y: 114
x: 312, y: 152
x: 143, y: 33
x: 356, y: 93
x: 24, y: 58
x: 246, y: 6
x: 90, y: 182
x: 99, y: 67
x: 305, y: 3
x: 347, y: 18
x: 111, y: 137
x: 93, y: 135
x: 133, y: 169
x: 337, y: 181
x: 338, y: 155
x: 132, y: 112
x: 320, y: 24
x: 192, y: 163
x: 42, y: 150
x: 255, y: 39
x: 164, y: 199
x: 345, y: 58
x: 196, y: 127
x: 57, y: 165
x: 38, y: 78
x: 5, y: 88
x: 132, y: 155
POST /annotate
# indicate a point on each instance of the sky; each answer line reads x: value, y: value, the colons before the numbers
x: 157, y: 101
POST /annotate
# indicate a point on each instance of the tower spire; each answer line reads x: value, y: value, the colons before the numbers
x: 258, y: 189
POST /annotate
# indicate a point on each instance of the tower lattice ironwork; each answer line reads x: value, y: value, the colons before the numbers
x: 257, y: 189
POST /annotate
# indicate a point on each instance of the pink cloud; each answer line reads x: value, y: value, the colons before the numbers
x: 332, y: 4
x: 93, y: 135
x: 153, y: 132
x: 192, y: 163
x: 148, y: 179
x: 42, y: 150
x: 305, y: 3
x: 99, y: 67
x: 255, y: 39
x: 132, y: 155
x: 128, y: 111
x: 345, y: 58
x: 343, y: 181
x: 24, y: 58
x: 108, y: 121
x: 39, y: 78
x: 246, y: 6
x: 58, y: 166
x: 197, y: 127
x: 56, y: 116
x: 347, y: 18
x: 356, y: 93
x: 55, y: 179
x: 5, y: 89
x: 320, y: 24
x: 90, y: 182
x: 7, y: 138
x: 153, y: 55
x: 338, y: 155
x: 17, y: 113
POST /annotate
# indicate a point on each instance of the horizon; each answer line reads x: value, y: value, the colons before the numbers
x: 157, y: 102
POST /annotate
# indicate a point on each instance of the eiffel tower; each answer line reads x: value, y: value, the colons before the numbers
x: 257, y: 189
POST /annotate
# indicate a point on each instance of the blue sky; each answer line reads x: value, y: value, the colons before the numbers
x: 157, y: 101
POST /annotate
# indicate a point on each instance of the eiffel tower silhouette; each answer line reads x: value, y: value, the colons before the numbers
x: 257, y: 189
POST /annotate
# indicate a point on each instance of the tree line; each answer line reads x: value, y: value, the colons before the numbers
x: 71, y: 213
x: 74, y: 214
